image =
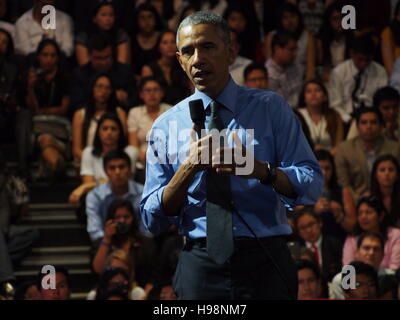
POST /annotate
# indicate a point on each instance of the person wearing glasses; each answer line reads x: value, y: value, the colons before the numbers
x: 141, y: 118
x: 366, y: 284
x: 327, y: 250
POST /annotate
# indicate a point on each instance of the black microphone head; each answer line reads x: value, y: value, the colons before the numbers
x: 197, y: 112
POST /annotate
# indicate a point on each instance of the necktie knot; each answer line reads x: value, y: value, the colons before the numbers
x: 215, y: 106
x: 215, y: 119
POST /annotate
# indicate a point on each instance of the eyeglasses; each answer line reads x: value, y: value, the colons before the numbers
x: 148, y: 90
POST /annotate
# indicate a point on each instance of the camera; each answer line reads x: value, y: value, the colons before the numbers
x: 122, y: 229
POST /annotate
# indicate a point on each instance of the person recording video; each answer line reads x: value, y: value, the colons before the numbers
x: 234, y: 224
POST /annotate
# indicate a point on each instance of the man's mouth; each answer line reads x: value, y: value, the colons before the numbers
x: 201, y: 74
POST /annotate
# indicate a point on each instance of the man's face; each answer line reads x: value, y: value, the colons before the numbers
x: 205, y: 58
x: 369, y: 127
x: 61, y: 292
x: 361, y: 61
x: 102, y: 60
x: 257, y: 79
x: 118, y: 172
x: 309, y: 285
x: 286, y: 55
x: 309, y: 228
x: 390, y: 111
x: 370, y: 252
x: 365, y: 288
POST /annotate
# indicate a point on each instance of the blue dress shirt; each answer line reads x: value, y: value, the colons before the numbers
x: 278, y: 139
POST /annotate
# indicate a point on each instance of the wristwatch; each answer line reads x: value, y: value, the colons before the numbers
x: 271, y: 174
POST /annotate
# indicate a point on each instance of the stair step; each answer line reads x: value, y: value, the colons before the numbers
x: 52, y: 206
x: 60, y: 250
x: 38, y: 260
x: 61, y: 235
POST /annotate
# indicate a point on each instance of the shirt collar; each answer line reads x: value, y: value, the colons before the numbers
x: 132, y: 190
x: 317, y: 243
x: 227, y: 97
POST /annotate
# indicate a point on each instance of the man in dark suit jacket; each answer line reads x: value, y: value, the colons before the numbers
x: 102, y: 61
x: 327, y: 250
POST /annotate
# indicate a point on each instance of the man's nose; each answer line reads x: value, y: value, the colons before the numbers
x: 198, y: 57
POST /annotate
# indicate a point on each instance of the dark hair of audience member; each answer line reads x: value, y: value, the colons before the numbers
x: 122, y: 140
x: 291, y: 8
x: 114, y: 155
x: 255, y: 66
x: 375, y: 235
x: 146, y: 7
x: 325, y: 155
x: 385, y: 93
x: 327, y: 35
x: 23, y: 288
x: 375, y: 204
x: 90, y: 108
x: 281, y: 39
x: 393, y: 216
x: 123, y: 203
x: 329, y: 113
x: 58, y: 269
x: 103, y: 289
x: 363, y: 45
x: 363, y: 110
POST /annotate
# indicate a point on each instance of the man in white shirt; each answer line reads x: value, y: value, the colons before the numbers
x: 354, y: 81
x: 29, y: 31
x: 370, y: 248
x: 236, y: 69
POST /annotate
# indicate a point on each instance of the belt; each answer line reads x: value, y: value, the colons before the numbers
x: 240, y: 242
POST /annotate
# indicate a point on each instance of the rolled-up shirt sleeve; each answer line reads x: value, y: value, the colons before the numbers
x: 296, y: 159
x: 158, y: 174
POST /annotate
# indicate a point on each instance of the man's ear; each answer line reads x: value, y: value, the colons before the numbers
x: 179, y: 57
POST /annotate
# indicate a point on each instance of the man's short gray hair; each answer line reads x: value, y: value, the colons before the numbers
x: 206, y: 17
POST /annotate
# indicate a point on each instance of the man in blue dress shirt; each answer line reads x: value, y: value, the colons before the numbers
x: 284, y: 173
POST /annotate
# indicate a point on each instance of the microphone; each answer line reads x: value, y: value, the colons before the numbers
x: 198, y: 115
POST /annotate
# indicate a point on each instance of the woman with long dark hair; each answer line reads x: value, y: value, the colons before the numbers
x: 370, y: 218
x: 84, y: 124
x: 167, y: 69
x: 333, y: 42
x: 390, y: 41
x: 103, y: 22
x: 324, y: 123
x: 46, y: 95
x: 148, y: 26
x: 109, y: 136
x: 290, y: 20
x: 385, y: 186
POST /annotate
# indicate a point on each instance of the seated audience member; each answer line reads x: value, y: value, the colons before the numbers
x: 47, y: 95
x: 29, y: 29
x: 162, y: 291
x: 336, y: 206
x: 9, y: 27
x: 103, y: 22
x: 353, y: 82
x: 387, y: 101
x: 385, y: 186
x: 144, y: 36
x: 121, y: 231
x: 167, y: 69
x: 62, y: 290
x: 109, y: 136
x: 236, y: 69
x: 366, y: 283
x: 390, y: 41
x: 103, y: 61
x: 324, y: 123
x: 113, y: 282
x: 27, y: 291
x: 284, y: 76
x: 370, y: 216
x: 84, y: 123
x: 370, y: 250
x: 333, y: 41
x: 117, y: 166
x: 388, y: 287
x: 15, y: 123
x: 246, y: 39
x: 327, y: 250
x: 290, y: 20
x: 310, y: 281
x: 312, y: 11
x: 141, y: 118
x: 256, y: 76
x: 354, y: 158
